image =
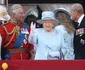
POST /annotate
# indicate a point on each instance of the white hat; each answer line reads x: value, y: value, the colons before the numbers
x: 62, y: 10
x: 4, y: 14
x: 48, y: 15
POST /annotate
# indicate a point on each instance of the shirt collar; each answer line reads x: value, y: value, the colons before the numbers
x: 80, y: 19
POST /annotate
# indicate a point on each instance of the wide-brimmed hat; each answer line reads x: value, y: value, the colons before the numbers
x: 62, y: 10
x: 48, y: 15
x: 4, y: 14
x: 32, y: 11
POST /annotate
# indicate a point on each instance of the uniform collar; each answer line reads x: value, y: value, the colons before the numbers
x: 14, y: 22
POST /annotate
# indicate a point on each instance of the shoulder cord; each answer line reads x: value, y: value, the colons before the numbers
x: 8, y: 33
x: 12, y: 32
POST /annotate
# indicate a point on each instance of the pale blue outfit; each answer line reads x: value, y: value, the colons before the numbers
x: 47, y: 42
x: 68, y: 39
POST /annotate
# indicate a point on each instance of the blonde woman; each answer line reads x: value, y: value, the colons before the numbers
x: 67, y: 30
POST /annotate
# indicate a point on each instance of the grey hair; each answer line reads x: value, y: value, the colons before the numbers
x: 77, y: 7
x: 14, y: 9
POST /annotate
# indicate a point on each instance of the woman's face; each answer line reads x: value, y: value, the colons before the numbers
x: 48, y: 25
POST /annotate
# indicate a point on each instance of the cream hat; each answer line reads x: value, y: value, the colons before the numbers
x: 4, y: 14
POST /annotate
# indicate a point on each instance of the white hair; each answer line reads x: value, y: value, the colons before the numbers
x: 14, y: 9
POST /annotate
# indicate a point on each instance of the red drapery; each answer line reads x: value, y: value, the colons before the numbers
x: 44, y: 65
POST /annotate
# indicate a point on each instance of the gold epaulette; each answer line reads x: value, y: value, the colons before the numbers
x: 9, y: 33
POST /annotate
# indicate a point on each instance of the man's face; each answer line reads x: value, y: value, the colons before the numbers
x: 74, y: 15
x: 20, y: 15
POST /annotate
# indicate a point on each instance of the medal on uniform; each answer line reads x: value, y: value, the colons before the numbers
x: 17, y: 30
x: 82, y: 41
x: 24, y: 31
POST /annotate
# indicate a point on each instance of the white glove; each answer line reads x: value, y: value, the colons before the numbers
x: 54, y: 54
x: 33, y: 27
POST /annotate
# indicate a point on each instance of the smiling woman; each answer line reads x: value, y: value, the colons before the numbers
x: 48, y: 25
x: 45, y: 39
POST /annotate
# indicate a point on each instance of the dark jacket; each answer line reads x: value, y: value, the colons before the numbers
x: 79, y: 47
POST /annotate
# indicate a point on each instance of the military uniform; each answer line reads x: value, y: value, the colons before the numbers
x: 79, y: 41
x: 10, y: 33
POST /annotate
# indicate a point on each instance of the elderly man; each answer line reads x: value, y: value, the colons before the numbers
x: 77, y: 13
x: 15, y: 34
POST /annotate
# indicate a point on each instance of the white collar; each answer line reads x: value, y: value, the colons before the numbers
x: 80, y: 19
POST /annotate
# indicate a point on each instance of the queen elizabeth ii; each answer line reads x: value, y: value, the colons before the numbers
x: 49, y: 43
